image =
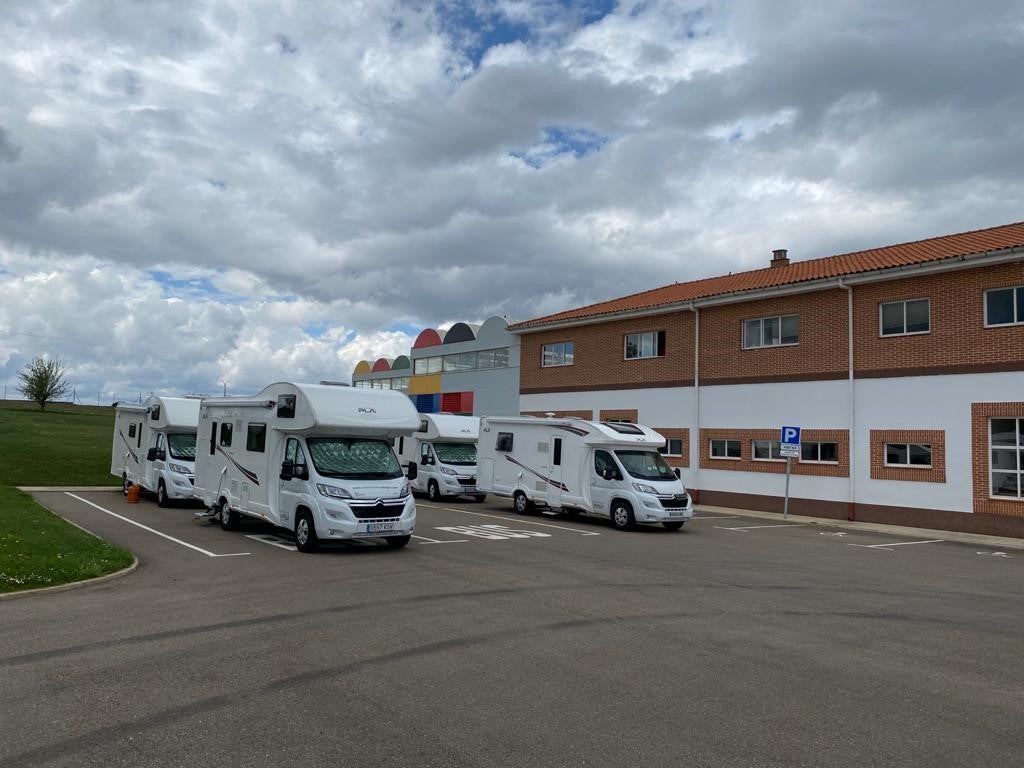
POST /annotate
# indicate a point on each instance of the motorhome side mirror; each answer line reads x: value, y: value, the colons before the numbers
x: 287, y: 470
x: 412, y: 471
x: 302, y: 472
x: 151, y: 454
x: 679, y: 474
x: 161, y: 455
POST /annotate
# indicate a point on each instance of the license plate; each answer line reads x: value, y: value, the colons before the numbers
x: 680, y: 513
x: 373, y: 527
x: 469, y: 489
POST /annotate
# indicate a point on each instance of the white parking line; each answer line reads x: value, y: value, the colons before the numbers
x: 425, y: 540
x: 517, y: 520
x: 274, y: 541
x: 715, y: 517
x: 153, y: 530
x: 754, y: 527
x: 895, y: 544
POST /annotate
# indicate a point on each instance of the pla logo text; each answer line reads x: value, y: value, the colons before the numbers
x: 367, y: 410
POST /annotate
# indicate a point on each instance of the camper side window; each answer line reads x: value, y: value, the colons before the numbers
x: 154, y: 414
x: 138, y: 436
x: 603, y: 463
x: 256, y: 438
x: 131, y: 430
x: 213, y: 438
x: 504, y: 442
x: 286, y: 406
x: 225, y: 434
x: 293, y: 452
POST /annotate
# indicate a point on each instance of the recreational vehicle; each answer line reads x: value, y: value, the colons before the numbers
x: 609, y: 469
x: 155, y: 446
x: 315, y: 459
x: 444, y: 450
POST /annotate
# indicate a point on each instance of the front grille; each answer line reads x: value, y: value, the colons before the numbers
x: 467, y: 481
x: 677, y: 501
x: 371, y: 509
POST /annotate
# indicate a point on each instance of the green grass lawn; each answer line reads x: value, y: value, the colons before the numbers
x: 39, y: 549
x: 63, y: 445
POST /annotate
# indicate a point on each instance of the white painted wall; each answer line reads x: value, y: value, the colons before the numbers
x: 921, y: 402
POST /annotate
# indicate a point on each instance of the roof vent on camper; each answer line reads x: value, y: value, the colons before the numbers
x: 623, y: 427
x: 780, y: 258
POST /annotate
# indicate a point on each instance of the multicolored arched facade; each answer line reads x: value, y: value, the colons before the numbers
x: 465, y: 369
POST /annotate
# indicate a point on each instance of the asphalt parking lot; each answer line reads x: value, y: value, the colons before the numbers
x: 497, y: 640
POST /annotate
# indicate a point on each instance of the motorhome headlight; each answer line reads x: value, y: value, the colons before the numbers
x: 405, y: 489
x: 449, y: 471
x: 333, y: 491
x: 181, y: 469
x: 644, y: 488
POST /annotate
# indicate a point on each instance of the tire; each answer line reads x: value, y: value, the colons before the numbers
x: 674, y: 525
x: 481, y: 498
x: 397, y: 542
x: 433, y: 491
x: 622, y: 516
x: 520, y: 503
x: 228, y: 517
x: 306, y: 539
x: 161, y: 495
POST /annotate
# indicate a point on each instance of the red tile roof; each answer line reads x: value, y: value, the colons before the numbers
x: 918, y: 252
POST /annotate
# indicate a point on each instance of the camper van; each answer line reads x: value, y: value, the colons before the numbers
x: 608, y: 469
x: 444, y: 450
x: 315, y: 459
x: 155, y: 446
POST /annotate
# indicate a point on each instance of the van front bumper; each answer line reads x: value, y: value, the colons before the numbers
x: 179, y: 486
x: 663, y: 509
x: 340, y: 522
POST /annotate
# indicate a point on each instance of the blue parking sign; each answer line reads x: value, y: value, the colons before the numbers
x: 790, y: 436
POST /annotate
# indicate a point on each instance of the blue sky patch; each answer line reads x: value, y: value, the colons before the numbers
x: 561, y: 140
x: 191, y: 288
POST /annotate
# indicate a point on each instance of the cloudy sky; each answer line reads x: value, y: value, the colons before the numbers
x: 196, y: 193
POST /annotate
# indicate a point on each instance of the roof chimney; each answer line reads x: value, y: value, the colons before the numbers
x: 779, y: 258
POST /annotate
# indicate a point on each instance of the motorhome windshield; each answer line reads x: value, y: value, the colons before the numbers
x: 182, y: 447
x: 645, y: 465
x: 460, y: 454
x: 353, y: 458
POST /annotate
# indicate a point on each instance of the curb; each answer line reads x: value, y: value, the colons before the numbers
x: 71, y: 584
x: 980, y: 539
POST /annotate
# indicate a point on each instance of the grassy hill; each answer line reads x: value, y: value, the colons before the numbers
x: 63, y: 445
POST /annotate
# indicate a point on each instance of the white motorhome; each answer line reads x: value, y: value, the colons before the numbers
x: 155, y: 446
x: 314, y: 459
x: 444, y: 450
x: 608, y: 469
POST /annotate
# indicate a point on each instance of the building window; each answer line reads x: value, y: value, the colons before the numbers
x: 504, y: 442
x: 771, y: 331
x: 501, y: 358
x: 768, y: 450
x: 908, y: 455
x: 256, y: 438
x: 1006, y: 446
x: 640, y: 345
x: 725, y: 449
x: 427, y: 365
x: 819, y: 453
x: 1004, y: 306
x: 559, y: 353
x: 225, y: 434
x: 901, y: 318
x: 673, y: 447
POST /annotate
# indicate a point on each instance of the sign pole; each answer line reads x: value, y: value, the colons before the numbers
x: 785, y: 504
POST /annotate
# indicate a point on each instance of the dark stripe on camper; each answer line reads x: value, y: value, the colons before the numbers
x: 247, y: 472
x: 555, y: 483
x: 135, y: 456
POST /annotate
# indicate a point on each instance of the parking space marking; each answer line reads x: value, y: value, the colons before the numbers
x: 517, y: 521
x: 425, y: 540
x: 715, y: 517
x: 493, y: 532
x: 994, y: 554
x: 275, y: 541
x: 746, y: 528
x: 895, y: 544
x: 153, y: 530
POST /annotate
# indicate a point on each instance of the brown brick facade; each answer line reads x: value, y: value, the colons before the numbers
x: 936, y: 438
x: 599, y: 357
x: 683, y: 435
x: 957, y: 339
x: 588, y: 415
x: 980, y: 459
x: 619, y: 414
x: 820, y: 354
x: 747, y: 463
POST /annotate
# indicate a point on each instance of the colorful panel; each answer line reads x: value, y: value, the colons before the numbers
x: 382, y: 364
x: 451, y: 402
x: 362, y: 367
x: 428, y: 338
x: 425, y: 385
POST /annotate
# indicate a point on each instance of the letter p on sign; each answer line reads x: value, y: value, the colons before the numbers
x: 790, y: 436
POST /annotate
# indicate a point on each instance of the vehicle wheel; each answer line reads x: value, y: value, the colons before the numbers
x: 397, y: 542
x: 433, y: 491
x: 125, y: 485
x: 622, y: 516
x: 674, y: 525
x: 228, y: 517
x: 305, y: 533
x: 480, y: 499
x: 520, y: 503
x: 161, y: 494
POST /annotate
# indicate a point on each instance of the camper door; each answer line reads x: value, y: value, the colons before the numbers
x: 158, y: 450
x: 555, y: 473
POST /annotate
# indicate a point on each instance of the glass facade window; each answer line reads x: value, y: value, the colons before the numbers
x: 559, y: 353
x: 771, y: 331
x: 640, y: 345
x: 900, y: 318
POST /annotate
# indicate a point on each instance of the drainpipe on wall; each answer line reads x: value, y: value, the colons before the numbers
x: 851, y: 504
x: 695, y: 455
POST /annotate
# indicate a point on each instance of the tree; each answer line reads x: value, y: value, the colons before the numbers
x: 43, y: 381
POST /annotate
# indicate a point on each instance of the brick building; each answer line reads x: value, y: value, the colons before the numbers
x: 903, y: 364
